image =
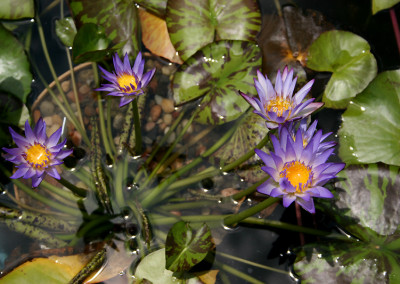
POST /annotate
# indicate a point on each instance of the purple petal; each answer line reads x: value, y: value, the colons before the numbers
x: 62, y: 154
x: 54, y: 138
x: 19, y: 173
x: 53, y: 173
x: 278, y: 83
x: 271, y: 172
x: 30, y: 136
x: 266, y: 187
x: 126, y: 100
x: 21, y: 142
x: 37, y: 180
x: 288, y: 199
x: 251, y: 101
x: 321, y: 192
x: 139, y: 64
x: 30, y: 173
x: 147, y: 77
x: 307, y: 205
x: 300, y: 95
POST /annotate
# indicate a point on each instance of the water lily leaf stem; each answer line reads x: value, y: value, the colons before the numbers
x: 138, y: 130
x: 94, y: 264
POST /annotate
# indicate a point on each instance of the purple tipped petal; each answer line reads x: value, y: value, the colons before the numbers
x: 53, y: 139
x: 36, y: 181
x: 300, y: 95
x: 19, y: 173
x: 53, y: 173
x: 266, y: 187
x: 250, y: 100
x: 125, y: 100
x: 288, y: 199
x: 307, y: 205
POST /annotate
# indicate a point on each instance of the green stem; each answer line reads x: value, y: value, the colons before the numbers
x: 138, y: 130
x: 236, y: 218
x: 34, y: 232
x: 237, y: 273
x: 109, y: 132
x: 76, y: 190
x: 253, y: 263
x: 249, y: 190
x: 187, y: 205
x: 171, y: 148
x: 154, y: 196
x: 59, y: 191
x: 121, y: 173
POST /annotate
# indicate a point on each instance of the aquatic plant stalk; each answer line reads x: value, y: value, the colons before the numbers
x: 154, y: 196
x: 236, y: 218
x: 171, y: 148
x: 33, y: 232
x: 138, y: 130
x: 253, y: 263
x: 76, y: 190
x: 300, y: 223
x: 60, y: 192
x: 109, y: 132
x: 237, y: 273
x: 94, y: 264
x: 395, y: 27
x: 121, y: 169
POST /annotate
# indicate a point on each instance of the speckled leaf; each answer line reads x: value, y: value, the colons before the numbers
x: 16, y: 9
x: 156, y: 7
x: 379, y: 5
x: 245, y: 138
x: 90, y: 44
x: 194, y: 24
x: 66, y: 31
x: 119, y: 18
x: 348, y: 57
x: 370, y: 131
x: 15, y: 75
x: 339, y: 262
x: 284, y: 40
x: 155, y: 36
x: 185, y: 247
x: 368, y: 196
x: 216, y: 73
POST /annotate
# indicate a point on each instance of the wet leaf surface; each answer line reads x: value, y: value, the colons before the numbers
x: 66, y: 31
x: 156, y: 7
x: 215, y: 74
x: 370, y: 131
x: 349, y: 59
x: 17, y: 9
x: 186, y: 247
x: 379, y: 5
x: 194, y: 24
x: 15, y: 75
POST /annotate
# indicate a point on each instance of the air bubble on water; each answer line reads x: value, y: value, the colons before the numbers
x: 362, y: 108
x: 351, y: 148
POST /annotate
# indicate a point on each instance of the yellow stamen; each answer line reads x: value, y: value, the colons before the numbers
x: 125, y: 81
x: 298, y: 174
x: 278, y: 105
x: 37, y: 155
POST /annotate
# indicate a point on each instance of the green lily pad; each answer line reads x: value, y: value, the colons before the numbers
x: 216, y: 73
x: 185, y: 248
x: 348, y: 57
x: 156, y: 7
x: 66, y: 31
x: 118, y: 17
x: 379, y: 5
x: 15, y: 75
x: 370, y: 131
x: 194, y: 24
x: 17, y: 9
x: 366, y: 206
x: 340, y: 262
x: 90, y: 44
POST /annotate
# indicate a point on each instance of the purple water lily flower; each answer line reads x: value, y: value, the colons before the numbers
x: 126, y: 82
x: 278, y: 105
x: 298, y: 170
x: 37, y: 154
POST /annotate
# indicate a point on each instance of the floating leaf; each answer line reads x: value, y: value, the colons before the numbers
x: 66, y: 31
x: 156, y: 7
x: 217, y: 72
x: 379, y: 5
x: 370, y: 130
x: 185, y: 248
x: 118, y: 17
x: 194, y: 24
x: 15, y: 75
x: 17, y: 9
x: 52, y: 270
x: 339, y: 263
x: 284, y: 40
x: 10, y: 113
x: 90, y: 44
x: 348, y: 57
x: 155, y: 36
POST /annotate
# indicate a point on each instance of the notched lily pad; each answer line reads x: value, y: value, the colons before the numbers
x: 284, y: 40
x: 348, y: 57
x: 194, y: 24
x: 370, y: 131
x: 216, y: 73
x: 185, y: 247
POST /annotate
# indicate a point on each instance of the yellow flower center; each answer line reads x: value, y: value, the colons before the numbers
x: 37, y: 155
x: 298, y: 174
x: 278, y: 105
x: 125, y: 81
